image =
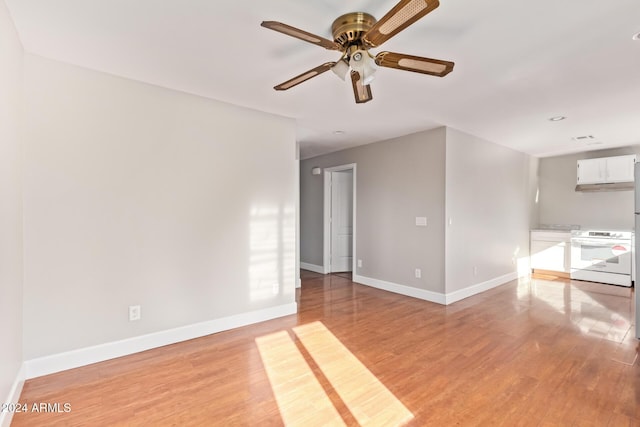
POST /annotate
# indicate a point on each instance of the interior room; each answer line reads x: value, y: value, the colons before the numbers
x: 428, y: 218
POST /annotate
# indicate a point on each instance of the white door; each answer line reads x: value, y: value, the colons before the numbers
x: 341, y: 220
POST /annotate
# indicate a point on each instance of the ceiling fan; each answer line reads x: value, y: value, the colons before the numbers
x: 357, y: 32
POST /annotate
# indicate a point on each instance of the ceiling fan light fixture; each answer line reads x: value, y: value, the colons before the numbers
x: 341, y: 69
x: 364, y: 65
x: 368, y: 72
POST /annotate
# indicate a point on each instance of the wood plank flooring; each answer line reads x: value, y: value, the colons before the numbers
x: 530, y: 353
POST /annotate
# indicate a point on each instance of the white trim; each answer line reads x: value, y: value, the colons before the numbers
x: 297, y: 195
x: 479, y: 288
x: 326, y: 252
x: 437, y: 297
x: 85, y: 356
x: 409, y: 291
x: 14, y: 396
x: 354, y: 224
x: 312, y: 267
x: 326, y: 227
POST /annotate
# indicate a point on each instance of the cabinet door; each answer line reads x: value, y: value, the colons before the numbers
x: 547, y: 255
x: 591, y: 171
x: 620, y: 168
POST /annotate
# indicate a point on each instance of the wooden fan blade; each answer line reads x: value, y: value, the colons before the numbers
x: 405, y: 13
x: 305, y: 76
x: 300, y: 34
x: 360, y: 91
x: 417, y: 64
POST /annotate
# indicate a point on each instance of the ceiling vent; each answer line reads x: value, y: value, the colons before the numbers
x: 584, y: 138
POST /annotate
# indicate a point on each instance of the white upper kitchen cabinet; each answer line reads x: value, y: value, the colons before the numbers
x: 591, y: 171
x: 606, y: 170
x: 620, y: 168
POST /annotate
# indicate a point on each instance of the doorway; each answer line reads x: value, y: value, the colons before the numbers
x: 339, y: 218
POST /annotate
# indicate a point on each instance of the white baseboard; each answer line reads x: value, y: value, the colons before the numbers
x: 401, y: 289
x: 312, y: 267
x: 439, y: 298
x: 479, y: 288
x: 85, y: 356
x: 14, y: 396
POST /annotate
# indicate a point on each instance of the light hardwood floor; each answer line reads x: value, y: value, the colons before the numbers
x: 530, y: 353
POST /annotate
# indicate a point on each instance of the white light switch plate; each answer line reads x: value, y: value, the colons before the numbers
x: 421, y: 221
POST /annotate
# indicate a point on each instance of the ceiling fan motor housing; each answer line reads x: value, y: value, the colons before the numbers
x: 348, y: 29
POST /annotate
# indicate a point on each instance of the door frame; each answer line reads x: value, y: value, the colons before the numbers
x: 326, y: 254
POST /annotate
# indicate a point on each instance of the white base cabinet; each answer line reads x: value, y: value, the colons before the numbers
x: 551, y: 250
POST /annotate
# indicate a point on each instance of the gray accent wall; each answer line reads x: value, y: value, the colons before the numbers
x: 11, y: 261
x: 396, y: 181
x: 139, y: 195
x: 487, y: 190
x: 489, y: 202
x: 559, y: 203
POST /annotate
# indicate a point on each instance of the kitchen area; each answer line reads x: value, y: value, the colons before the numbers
x: 586, y: 206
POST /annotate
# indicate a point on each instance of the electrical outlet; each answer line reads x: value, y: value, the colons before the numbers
x: 475, y: 271
x: 134, y: 313
x: 359, y: 263
x: 418, y: 273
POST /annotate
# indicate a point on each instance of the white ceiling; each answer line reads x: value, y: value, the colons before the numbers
x: 518, y: 63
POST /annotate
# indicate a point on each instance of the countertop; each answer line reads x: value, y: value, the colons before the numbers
x: 557, y: 228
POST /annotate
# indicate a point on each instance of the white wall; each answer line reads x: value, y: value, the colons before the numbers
x: 561, y: 204
x: 396, y: 181
x: 10, y: 204
x: 134, y: 194
x: 489, y: 201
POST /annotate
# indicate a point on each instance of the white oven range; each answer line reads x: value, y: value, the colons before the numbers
x: 601, y: 256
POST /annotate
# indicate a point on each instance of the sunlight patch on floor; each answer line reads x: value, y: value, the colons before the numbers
x: 300, y: 395
x: 301, y: 399
x: 368, y: 400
